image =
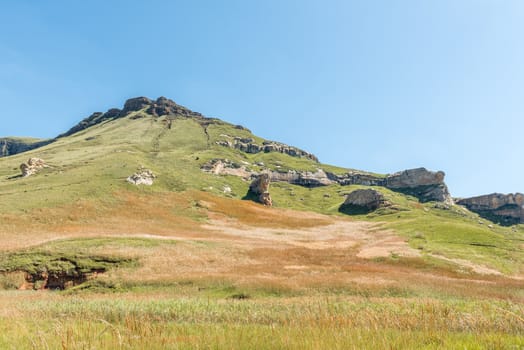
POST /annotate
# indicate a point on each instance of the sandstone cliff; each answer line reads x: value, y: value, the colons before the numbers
x: 249, y: 145
x: 424, y: 184
x: 506, y: 209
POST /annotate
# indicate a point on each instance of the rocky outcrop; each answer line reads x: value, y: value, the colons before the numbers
x: 505, y: 209
x: 303, y: 178
x: 424, y: 184
x: 157, y: 108
x: 11, y: 145
x: 421, y: 183
x: 249, y: 145
x: 164, y: 106
x: 226, y: 167
x: 364, y: 200
x: 33, y: 166
x: 142, y: 177
x: 260, y: 187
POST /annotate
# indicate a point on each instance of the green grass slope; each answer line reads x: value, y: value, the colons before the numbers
x: 94, y: 163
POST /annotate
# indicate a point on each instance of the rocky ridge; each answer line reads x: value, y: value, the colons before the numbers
x: 157, y: 108
x: 424, y: 184
x: 249, y: 145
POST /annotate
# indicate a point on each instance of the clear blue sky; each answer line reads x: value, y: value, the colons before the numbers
x: 375, y: 85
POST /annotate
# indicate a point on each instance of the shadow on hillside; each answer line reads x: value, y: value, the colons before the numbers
x: 354, y: 210
x: 250, y: 196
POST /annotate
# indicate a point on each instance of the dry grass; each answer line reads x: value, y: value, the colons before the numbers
x: 301, y: 277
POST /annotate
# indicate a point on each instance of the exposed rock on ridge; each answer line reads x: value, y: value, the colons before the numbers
x: 249, y: 145
x: 421, y: 183
x: 159, y: 107
x: 506, y: 209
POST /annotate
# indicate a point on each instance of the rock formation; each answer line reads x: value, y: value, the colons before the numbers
x: 506, y: 209
x: 249, y: 145
x: 260, y: 188
x: 421, y: 183
x: 162, y: 106
x: 10, y: 146
x: 364, y: 200
x: 32, y: 166
x: 226, y: 167
x: 303, y: 178
x: 142, y: 177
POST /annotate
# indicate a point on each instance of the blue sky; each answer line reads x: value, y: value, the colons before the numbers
x: 375, y: 85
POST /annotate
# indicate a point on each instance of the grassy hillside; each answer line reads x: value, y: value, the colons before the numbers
x: 190, y: 265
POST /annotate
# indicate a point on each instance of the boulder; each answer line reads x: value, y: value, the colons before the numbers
x: 365, y: 200
x: 506, y: 209
x: 260, y: 188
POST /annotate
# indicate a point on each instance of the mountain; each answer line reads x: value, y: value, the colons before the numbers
x: 163, y: 228
x: 221, y: 139
x: 154, y: 148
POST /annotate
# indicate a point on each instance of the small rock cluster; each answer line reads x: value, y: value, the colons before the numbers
x: 32, y: 166
x: 142, y: 177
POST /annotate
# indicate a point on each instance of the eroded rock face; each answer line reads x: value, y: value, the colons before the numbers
x: 415, y: 178
x: 260, y: 187
x: 303, y: 178
x: 506, y: 209
x: 142, y: 177
x: 32, y: 166
x: 365, y: 199
x: 249, y: 145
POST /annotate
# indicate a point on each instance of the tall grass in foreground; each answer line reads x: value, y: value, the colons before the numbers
x: 99, y: 322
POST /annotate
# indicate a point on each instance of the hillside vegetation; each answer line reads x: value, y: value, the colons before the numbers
x: 192, y: 262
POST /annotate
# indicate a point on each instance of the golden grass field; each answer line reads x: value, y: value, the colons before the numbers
x: 222, y: 273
